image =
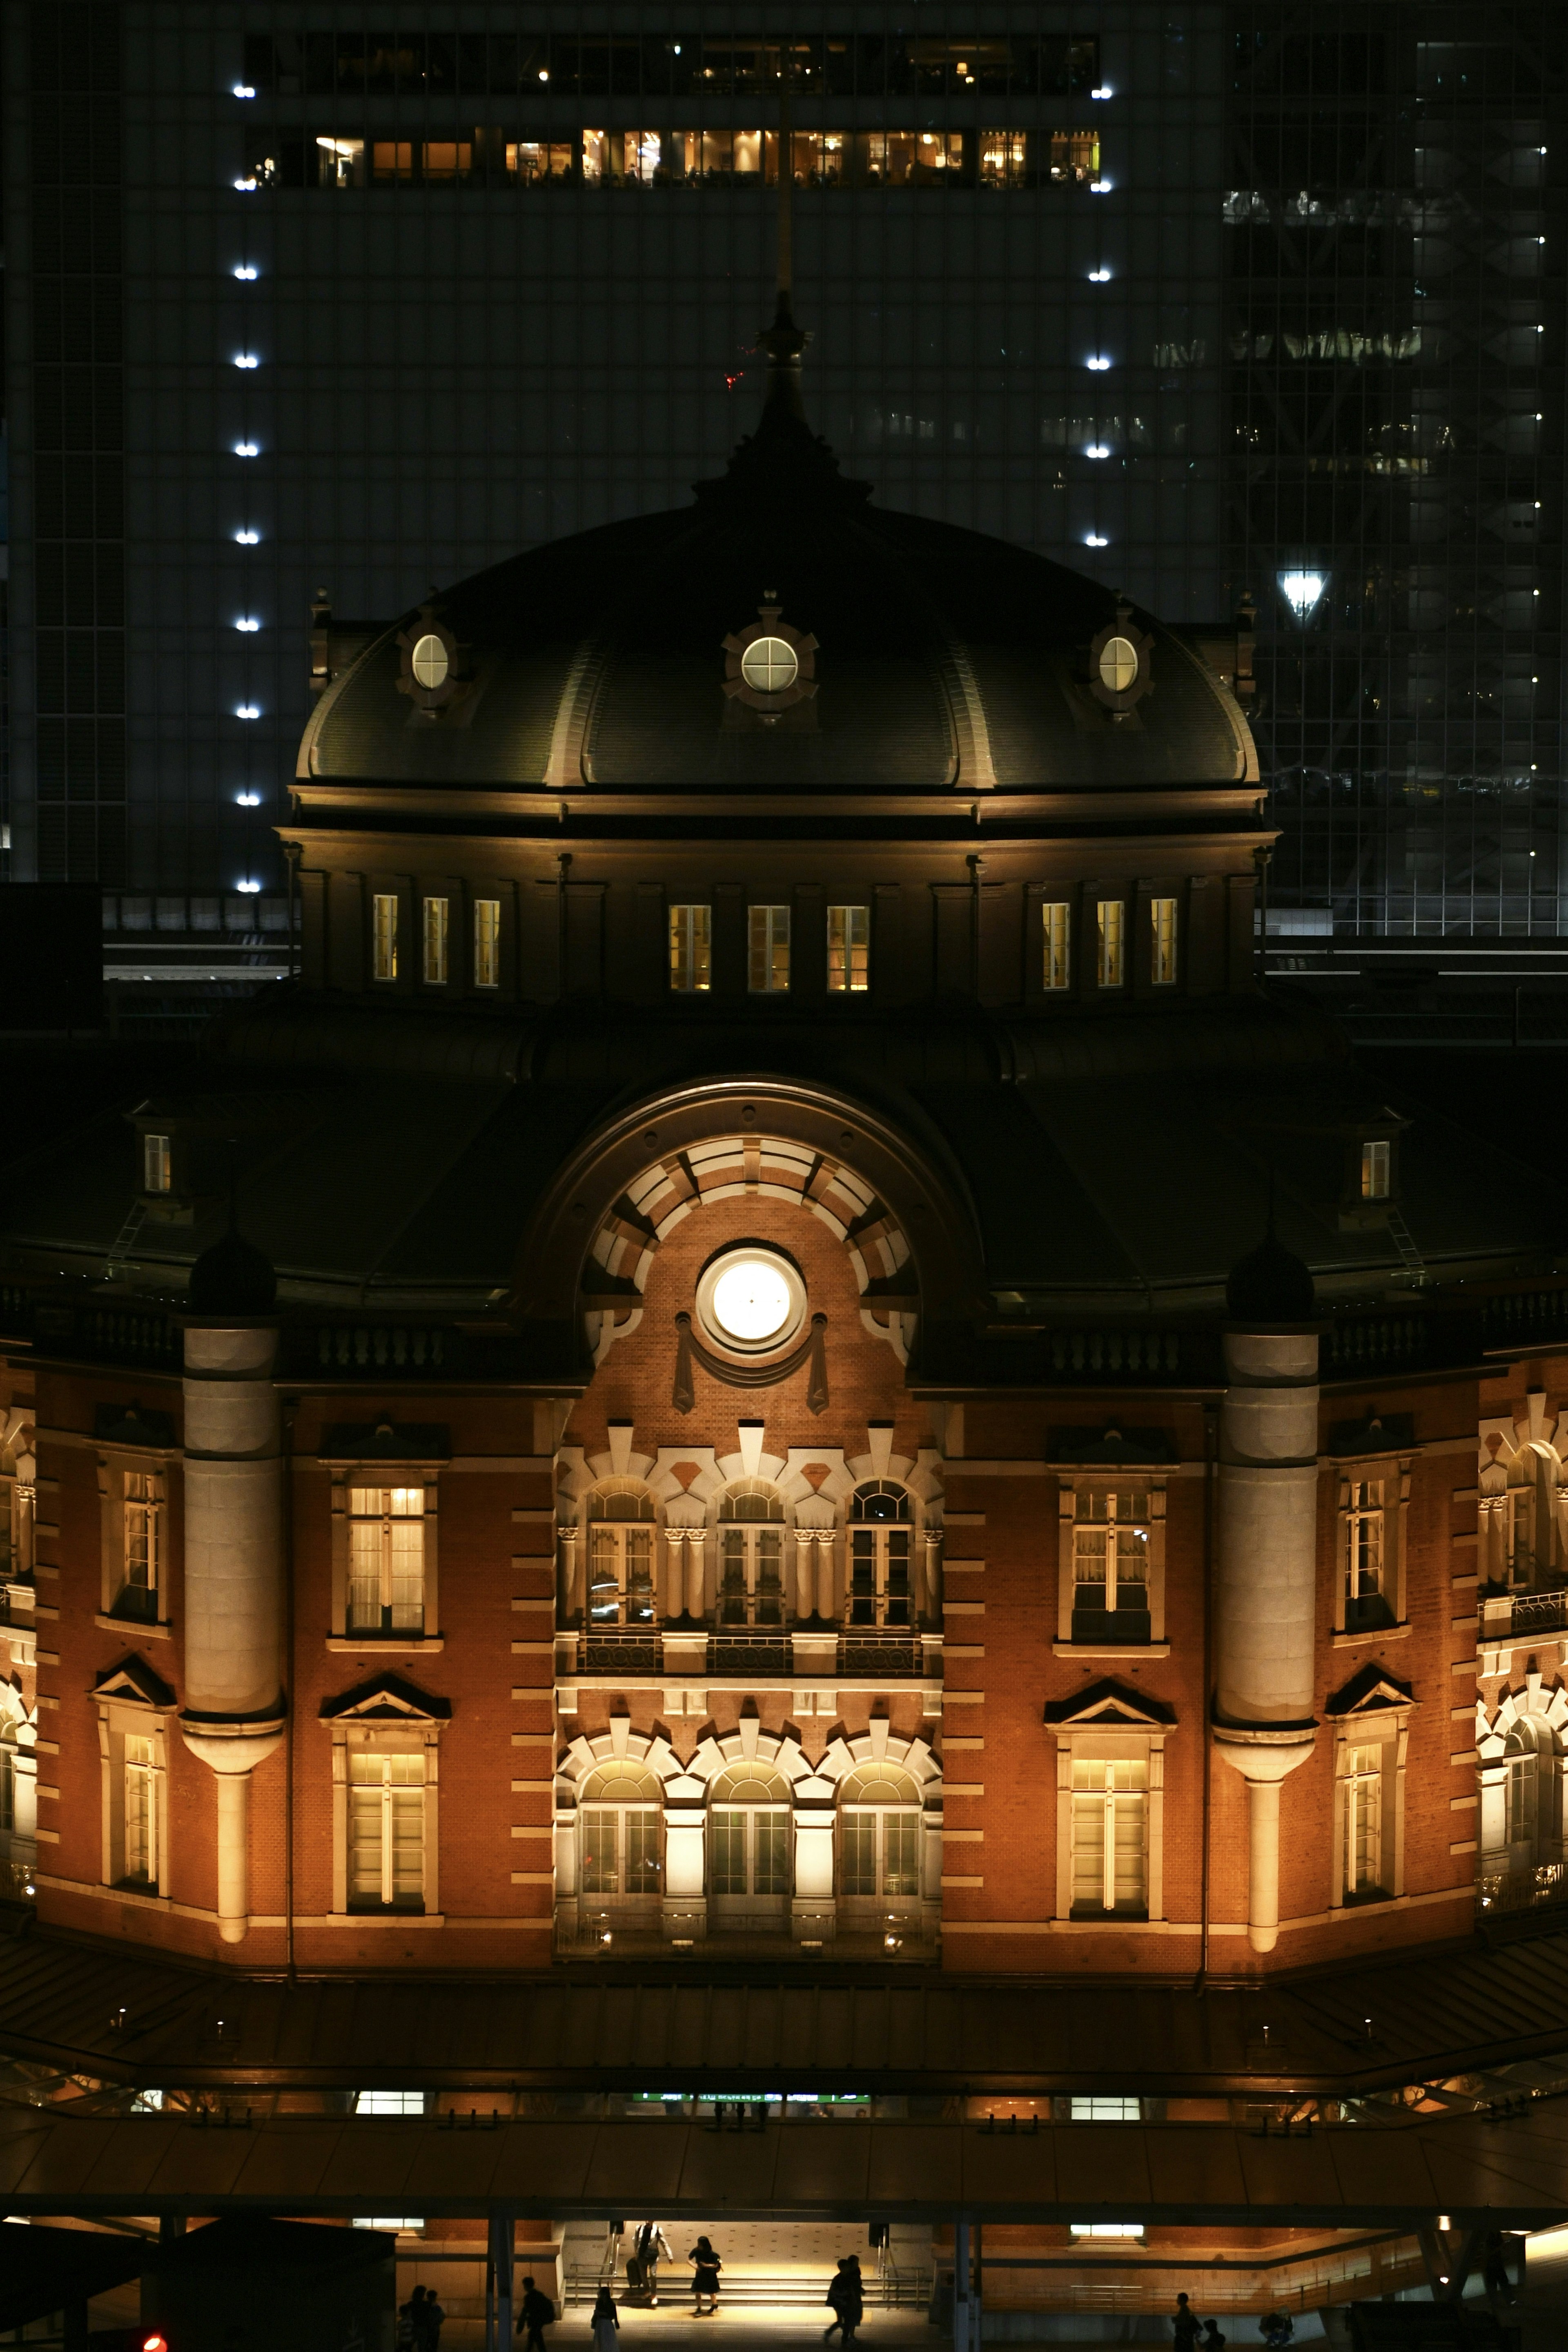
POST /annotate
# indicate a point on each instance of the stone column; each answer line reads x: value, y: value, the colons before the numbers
x: 232, y: 1717
x: 685, y: 1905
x: 811, y: 1908
x: 930, y: 1603
x: 1265, y: 1608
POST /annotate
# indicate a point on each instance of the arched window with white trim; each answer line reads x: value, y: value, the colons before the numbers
x: 881, y: 1549
x: 750, y: 1555
x: 620, y: 1831
x: 879, y: 1822
x: 620, y: 1515
x: 749, y: 1841
x: 1532, y: 1822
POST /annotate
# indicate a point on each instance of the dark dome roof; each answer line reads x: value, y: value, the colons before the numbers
x: 1271, y: 1285
x: 232, y: 1276
x: 945, y: 657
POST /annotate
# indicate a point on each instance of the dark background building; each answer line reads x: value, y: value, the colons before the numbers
x: 1204, y: 300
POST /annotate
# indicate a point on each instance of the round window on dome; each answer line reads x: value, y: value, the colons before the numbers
x: 429, y: 661
x: 769, y: 665
x: 1118, y: 665
x: 751, y: 1300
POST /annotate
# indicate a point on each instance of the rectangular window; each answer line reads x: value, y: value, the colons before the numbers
x: 1055, y: 928
x: 750, y: 1576
x: 749, y: 1851
x: 387, y: 1560
x: 1108, y: 918
x: 1075, y: 156
x: 1374, y: 1168
x: 879, y: 1591
x: 1111, y: 1566
x: 141, y: 1804
x: 7, y: 1787
x: 1162, y: 942
x: 536, y: 163
x: 1095, y: 2109
x: 487, y: 942
x: 1109, y: 1874
x: 608, y: 1831
x: 436, y: 911
x: 848, y: 950
x: 620, y: 1574
x: 143, y: 1518
x: 857, y: 1853
x: 690, y: 949
x: 384, y: 935
x: 1363, y: 1821
x: 1003, y: 159
x: 900, y: 1853
x: 768, y: 940
x: 156, y: 1164
x: 1364, y: 1600
x: 386, y: 1833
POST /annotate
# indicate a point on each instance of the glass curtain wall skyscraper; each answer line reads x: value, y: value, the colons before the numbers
x: 1203, y: 300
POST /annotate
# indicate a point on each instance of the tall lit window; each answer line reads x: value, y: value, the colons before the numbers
x: 1108, y: 921
x: 848, y: 950
x: 767, y: 932
x: 384, y: 935
x: 881, y: 1535
x: 1109, y: 1870
x: 1363, y: 1552
x: 7, y: 1777
x: 1056, y: 941
x: 1162, y: 942
x: 157, y: 1164
x: 1374, y: 1168
x: 1364, y: 1820
x: 144, y: 1525
x: 1111, y: 1565
x: 620, y: 1557
x: 487, y: 942
x: 387, y: 1560
x: 748, y: 1831
x: 690, y: 949
x: 386, y: 1833
x: 751, y: 1556
x: 620, y: 1831
x: 141, y: 1811
x: 878, y: 1832
x: 435, y: 936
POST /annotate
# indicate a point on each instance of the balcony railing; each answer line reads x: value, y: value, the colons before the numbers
x: 879, y: 1650
x: 1522, y: 1890
x: 621, y: 1650
x: 890, y: 1650
x: 1506, y: 1614
x: 750, y: 1650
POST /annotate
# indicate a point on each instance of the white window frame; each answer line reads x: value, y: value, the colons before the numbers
x: 691, y: 948
x: 1390, y: 1474
x: 879, y: 1548
x: 1385, y: 1729
x: 848, y: 951
x: 606, y: 1541
x: 1094, y: 1784
x: 911, y: 1817
x: 1069, y: 1486
x: 633, y: 1901
x: 1376, y: 1167
x: 1164, y: 942
x: 157, y: 1164
x: 775, y: 1810
x: 1055, y: 945
x: 398, y: 1770
x: 739, y: 1541
x: 767, y: 950
x: 414, y: 1734
x: 1111, y: 942
x: 384, y: 928
x: 434, y: 932
x: 120, y: 1720
x: 487, y: 943
x: 401, y: 1509
x: 345, y: 1479
x: 1077, y: 1745
x: 119, y: 1510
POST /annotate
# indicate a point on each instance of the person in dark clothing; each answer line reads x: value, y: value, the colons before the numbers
x: 409, y: 2317
x: 648, y: 2244
x: 605, y: 2321
x: 428, y: 2323
x: 535, y: 2312
x: 705, y: 2283
x: 1495, y: 2280
x: 1185, y: 2324
x: 847, y: 2295
x: 1213, y: 2340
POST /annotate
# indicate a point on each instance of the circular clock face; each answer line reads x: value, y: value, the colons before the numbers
x: 751, y: 1299
x: 769, y: 665
x: 428, y: 662
x: 1119, y: 665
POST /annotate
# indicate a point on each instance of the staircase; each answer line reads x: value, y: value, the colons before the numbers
x: 1404, y: 1243
x: 125, y: 1240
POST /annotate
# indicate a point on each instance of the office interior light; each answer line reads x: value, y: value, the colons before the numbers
x: 1104, y: 90
x: 245, y: 187
x: 1101, y: 187
x: 1302, y: 590
x: 1097, y: 449
x: 247, y: 538
x: 247, y: 90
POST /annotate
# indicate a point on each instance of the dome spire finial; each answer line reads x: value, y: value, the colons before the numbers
x: 784, y: 341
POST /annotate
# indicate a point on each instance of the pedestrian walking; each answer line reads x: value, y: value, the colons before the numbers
x: 535, y: 2312
x: 408, y: 2321
x: 650, y: 2244
x: 428, y: 2323
x: 1185, y: 2324
x: 847, y: 2295
x: 605, y: 2321
x: 705, y: 2283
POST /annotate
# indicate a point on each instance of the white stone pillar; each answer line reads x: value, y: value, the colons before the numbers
x: 569, y: 1539
x: 685, y: 1897
x: 233, y: 1715
x: 1265, y: 1608
x: 696, y: 1599
x: 931, y: 1607
x: 826, y: 1600
x: 805, y: 1583
x: 811, y: 1908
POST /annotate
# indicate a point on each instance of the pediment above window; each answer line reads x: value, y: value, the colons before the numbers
x: 134, y: 1684
x: 1370, y: 1692
x: 386, y: 1698
x: 1109, y: 1705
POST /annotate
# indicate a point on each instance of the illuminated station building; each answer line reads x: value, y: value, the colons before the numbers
x: 775, y: 1456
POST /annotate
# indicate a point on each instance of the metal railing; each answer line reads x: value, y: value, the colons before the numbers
x: 1522, y: 1890
x: 1538, y: 1612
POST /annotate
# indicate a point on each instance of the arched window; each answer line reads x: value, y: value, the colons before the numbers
x: 878, y: 1832
x: 620, y: 1555
x: 1533, y: 1826
x: 880, y: 1539
x: 750, y: 1555
x: 748, y: 1831
x: 620, y: 1831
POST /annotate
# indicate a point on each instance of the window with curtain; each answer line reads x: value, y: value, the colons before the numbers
x: 881, y: 1538
x: 620, y: 1831
x: 767, y: 932
x: 690, y: 949
x: 1162, y: 942
x: 386, y: 1832
x: 750, y: 1555
x: 1109, y: 914
x: 387, y: 1560
x: 142, y: 1509
x: 1056, y: 939
x: 1110, y: 1564
x: 1364, y: 1820
x: 384, y: 935
x: 1365, y: 1603
x: 620, y: 1556
x: 880, y: 1827
x: 487, y: 942
x: 848, y: 950
x: 749, y: 1831
x: 140, y: 1811
x: 435, y: 934
x: 1110, y: 1867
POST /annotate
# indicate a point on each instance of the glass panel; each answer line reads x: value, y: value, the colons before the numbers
x: 645, y: 1841
x: 1364, y: 1840
x: 597, y: 1832
x: 365, y: 1845
x: 900, y: 1853
x: 386, y: 936
x: 1088, y: 1846
x: 1128, y: 1859
x: 155, y: 1163
x: 1109, y: 913
x: 141, y: 1825
x: 690, y: 949
x: 857, y: 1853
x: 771, y: 1834
x: 1162, y: 942
x: 728, y: 1832
x: 365, y: 1577
x: 436, y: 911
x: 604, y: 1582
x: 1056, y: 927
x: 863, y: 1576
x: 407, y: 1827
x: 849, y: 949
x: 487, y: 942
x: 768, y: 932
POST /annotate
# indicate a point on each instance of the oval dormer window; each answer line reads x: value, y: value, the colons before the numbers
x: 430, y: 662
x: 1118, y: 665
x: 769, y: 665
